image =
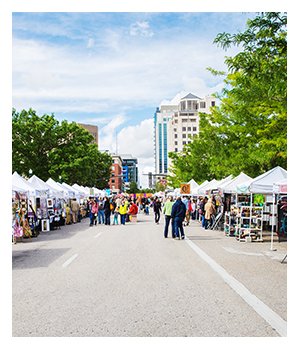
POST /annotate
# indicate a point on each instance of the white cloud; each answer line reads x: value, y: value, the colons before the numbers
x: 141, y: 28
x: 90, y: 43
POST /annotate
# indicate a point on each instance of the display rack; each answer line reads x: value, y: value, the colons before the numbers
x: 250, y: 224
x: 229, y: 227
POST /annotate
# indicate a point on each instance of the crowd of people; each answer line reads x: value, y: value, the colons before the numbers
x: 119, y: 209
x: 182, y: 210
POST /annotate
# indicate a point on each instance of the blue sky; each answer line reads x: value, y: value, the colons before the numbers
x: 114, y: 69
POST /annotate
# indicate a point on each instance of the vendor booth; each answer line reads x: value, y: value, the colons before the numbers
x: 255, y: 210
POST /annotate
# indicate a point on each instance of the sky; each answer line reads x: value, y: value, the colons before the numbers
x: 112, y: 69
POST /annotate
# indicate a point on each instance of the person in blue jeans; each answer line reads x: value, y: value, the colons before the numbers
x: 101, y: 212
x: 178, y: 215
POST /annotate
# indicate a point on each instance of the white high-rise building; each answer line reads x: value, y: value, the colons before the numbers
x: 176, y: 122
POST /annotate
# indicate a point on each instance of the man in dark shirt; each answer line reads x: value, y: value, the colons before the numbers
x: 178, y: 215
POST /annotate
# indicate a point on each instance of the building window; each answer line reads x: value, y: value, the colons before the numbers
x: 176, y: 149
x: 176, y: 143
x: 193, y: 120
x: 184, y: 136
x: 175, y: 136
x: 184, y: 142
x: 175, y: 129
x: 194, y: 128
x: 202, y: 104
x: 189, y: 135
x: 184, y: 120
x: 189, y: 128
x: 213, y: 103
x: 184, y: 128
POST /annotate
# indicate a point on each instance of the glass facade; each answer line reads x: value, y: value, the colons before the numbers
x: 165, y: 148
x: 160, y: 147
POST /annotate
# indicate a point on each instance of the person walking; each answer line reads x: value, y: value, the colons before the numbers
x: 93, y: 212
x: 75, y: 210
x: 167, y: 211
x: 202, y: 210
x: 157, y: 209
x: 107, y: 211
x: 209, y: 212
x: 178, y: 215
x: 101, y: 216
x: 123, y: 212
x: 116, y: 215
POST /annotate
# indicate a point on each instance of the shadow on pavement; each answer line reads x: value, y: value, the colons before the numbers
x: 33, y: 258
x: 204, y: 238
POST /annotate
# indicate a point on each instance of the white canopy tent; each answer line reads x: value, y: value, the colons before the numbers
x: 263, y: 184
x: 207, y: 186
x: 42, y: 186
x: 71, y: 191
x: 63, y: 191
x: 230, y: 186
x: 19, y: 184
x: 81, y: 189
x: 279, y: 187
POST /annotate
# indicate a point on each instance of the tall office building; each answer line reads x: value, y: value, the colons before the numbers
x: 176, y: 122
x: 130, y: 169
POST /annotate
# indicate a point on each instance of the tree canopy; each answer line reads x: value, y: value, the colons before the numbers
x: 58, y: 150
x: 247, y: 130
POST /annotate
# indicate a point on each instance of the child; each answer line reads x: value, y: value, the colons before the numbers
x: 116, y: 215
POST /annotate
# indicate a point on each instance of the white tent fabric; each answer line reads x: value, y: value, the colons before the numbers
x: 57, y: 186
x: 193, y: 184
x: 19, y: 184
x: 81, y: 189
x: 38, y: 183
x: 197, y: 190
x: 208, y: 186
x: 280, y: 187
x: 263, y: 183
x: 70, y: 189
x: 230, y: 187
x: 222, y: 182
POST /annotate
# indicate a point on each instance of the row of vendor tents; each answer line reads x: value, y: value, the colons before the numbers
x: 272, y: 181
x: 36, y: 187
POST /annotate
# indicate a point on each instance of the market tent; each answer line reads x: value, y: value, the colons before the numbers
x: 207, y: 186
x: 222, y: 182
x: 70, y: 189
x: 38, y: 183
x: 19, y: 184
x: 193, y: 184
x: 280, y: 187
x: 263, y: 183
x: 81, y: 189
x: 57, y: 187
x: 230, y: 187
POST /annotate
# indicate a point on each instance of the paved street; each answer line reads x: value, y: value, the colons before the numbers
x: 131, y: 281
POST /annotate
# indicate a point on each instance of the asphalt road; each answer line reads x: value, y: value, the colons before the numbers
x: 130, y: 281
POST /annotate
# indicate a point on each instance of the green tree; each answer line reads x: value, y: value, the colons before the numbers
x: 248, y: 130
x: 53, y: 149
x: 133, y: 188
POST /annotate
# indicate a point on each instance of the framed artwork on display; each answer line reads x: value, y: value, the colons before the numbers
x: 45, y: 225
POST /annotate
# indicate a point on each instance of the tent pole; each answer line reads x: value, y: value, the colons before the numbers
x: 273, y: 217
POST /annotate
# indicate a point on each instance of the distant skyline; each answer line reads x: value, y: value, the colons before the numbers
x: 113, y: 69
